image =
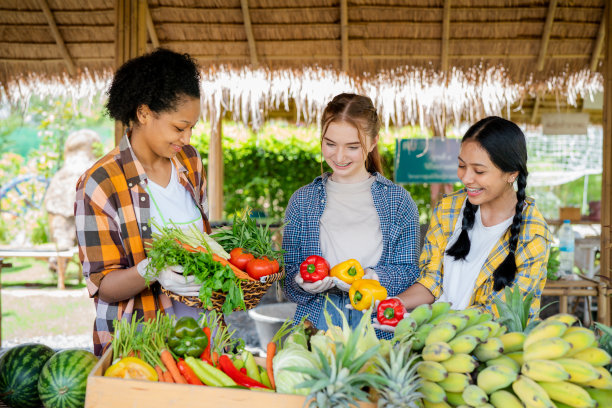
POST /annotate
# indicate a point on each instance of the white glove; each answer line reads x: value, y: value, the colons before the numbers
x: 342, y: 285
x: 172, y: 279
x: 382, y: 327
x: 143, y: 270
x: 314, y: 288
x: 349, y: 306
x: 370, y: 274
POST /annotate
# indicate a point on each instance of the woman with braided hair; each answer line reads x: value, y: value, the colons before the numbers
x: 488, y: 235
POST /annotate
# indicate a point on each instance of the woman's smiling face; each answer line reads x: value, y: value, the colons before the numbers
x: 342, y: 151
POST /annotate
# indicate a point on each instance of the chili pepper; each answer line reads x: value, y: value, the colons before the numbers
x: 187, y: 338
x: 243, y: 370
x: 225, y: 363
x: 188, y: 373
x: 390, y: 312
x: 314, y: 268
x: 347, y: 271
x: 208, y: 374
x: 364, y: 292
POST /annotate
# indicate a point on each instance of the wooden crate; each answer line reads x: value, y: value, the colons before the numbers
x: 104, y: 392
x: 569, y: 213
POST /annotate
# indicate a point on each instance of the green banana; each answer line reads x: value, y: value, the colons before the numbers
x: 418, y: 339
x: 566, y: 318
x: 512, y: 341
x: 431, y: 371
x: 495, y: 378
x: 438, y: 351
x: 580, y: 338
x: 439, y: 308
x: 485, y: 317
x: 421, y: 314
x: 455, y: 382
x: 460, y: 363
x: 545, y: 370
x: 464, y: 343
x: 604, y: 382
x: 568, y: 393
x: 505, y: 361
x: 432, y: 392
x: 458, y: 319
x: 516, y: 356
x: 442, y: 404
x: 603, y: 397
x: 547, y: 349
x: 504, y: 399
x: 502, y: 330
x: 405, y: 328
x: 474, y: 396
x: 441, y: 332
x: 490, y: 349
x: 580, y: 371
x: 473, y: 316
x: 495, y: 326
x: 531, y: 393
x: 455, y: 398
x: 545, y: 330
x: 479, y: 331
x: 594, y: 356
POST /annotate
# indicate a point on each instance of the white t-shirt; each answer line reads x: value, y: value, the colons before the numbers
x: 174, y: 204
x: 350, y: 227
x: 460, y: 276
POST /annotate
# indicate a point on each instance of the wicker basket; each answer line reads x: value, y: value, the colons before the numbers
x: 253, y: 292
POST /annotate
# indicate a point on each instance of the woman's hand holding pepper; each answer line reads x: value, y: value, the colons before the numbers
x: 314, y: 288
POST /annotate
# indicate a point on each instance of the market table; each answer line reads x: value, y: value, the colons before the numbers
x: 582, y: 287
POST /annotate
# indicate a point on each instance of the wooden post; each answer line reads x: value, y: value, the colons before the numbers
x: 130, y: 37
x: 344, y: 34
x: 215, y: 168
x: 606, y: 219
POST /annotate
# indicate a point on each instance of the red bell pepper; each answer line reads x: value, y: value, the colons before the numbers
x: 314, y: 268
x: 390, y: 312
x: 226, y: 365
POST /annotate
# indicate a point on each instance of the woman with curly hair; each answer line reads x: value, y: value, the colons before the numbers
x: 153, y: 174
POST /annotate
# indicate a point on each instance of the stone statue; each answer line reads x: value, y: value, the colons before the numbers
x: 61, y: 193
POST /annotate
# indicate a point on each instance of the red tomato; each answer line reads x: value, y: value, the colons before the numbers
x: 239, y: 258
x: 274, y: 262
x: 256, y: 268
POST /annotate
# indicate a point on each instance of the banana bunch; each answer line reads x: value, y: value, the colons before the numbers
x: 470, y: 361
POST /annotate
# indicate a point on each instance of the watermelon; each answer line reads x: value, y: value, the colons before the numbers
x: 63, y: 379
x: 20, y: 367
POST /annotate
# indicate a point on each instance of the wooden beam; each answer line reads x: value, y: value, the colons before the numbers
x: 550, y: 17
x: 536, y: 107
x: 214, y: 178
x: 58, y: 37
x: 601, y: 35
x: 606, y: 182
x: 151, y: 28
x: 445, y: 35
x: 246, y: 16
x: 344, y: 34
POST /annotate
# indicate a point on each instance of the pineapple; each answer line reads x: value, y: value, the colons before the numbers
x: 514, y: 311
x: 401, y: 381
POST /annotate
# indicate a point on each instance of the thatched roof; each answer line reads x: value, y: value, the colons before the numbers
x: 532, y: 42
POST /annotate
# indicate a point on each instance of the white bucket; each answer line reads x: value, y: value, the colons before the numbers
x: 269, y: 318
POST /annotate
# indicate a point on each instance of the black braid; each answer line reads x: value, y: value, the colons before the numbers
x: 504, y: 274
x: 461, y: 247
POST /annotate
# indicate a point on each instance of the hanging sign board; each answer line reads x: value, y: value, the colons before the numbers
x: 432, y: 160
x: 565, y: 123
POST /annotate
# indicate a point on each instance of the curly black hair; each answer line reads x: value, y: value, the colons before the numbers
x: 158, y: 79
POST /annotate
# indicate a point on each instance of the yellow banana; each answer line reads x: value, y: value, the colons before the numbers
x: 516, y: 356
x: 459, y: 320
x: 544, y: 370
x: 464, y: 343
x: 438, y: 351
x: 568, y: 393
x: 494, y: 326
x: 442, y: 404
x: 531, y: 394
x: 455, y: 382
x: 431, y: 371
x: 460, y: 363
x: 512, y: 341
x: 490, y: 349
x: 439, y: 308
x: 502, y: 330
x: 566, y: 318
x: 418, y: 338
x: 421, y: 314
x: 580, y: 371
x: 479, y: 331
x: 505, y: 361
x: 432, y: 392
x: 474, y: 396
x: 603, y: 397
x: 580, y: 338
x: 441, y: 332
x: 545, y: 330
x: 604, y: 382
x: 594, y: 356
x: 547, y: 349
x: 495, y: 378
x: 473, y: 316
x: 504, y: 399
x: 455, y: 398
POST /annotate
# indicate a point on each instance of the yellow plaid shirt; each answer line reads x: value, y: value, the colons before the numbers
x: 531, y: 255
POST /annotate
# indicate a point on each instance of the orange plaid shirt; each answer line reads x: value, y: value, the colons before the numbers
x: 112, y: 212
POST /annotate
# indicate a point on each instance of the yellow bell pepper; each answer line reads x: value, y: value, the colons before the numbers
x: 132, y: 368
x: 347, y: 271
x: 364, y: 292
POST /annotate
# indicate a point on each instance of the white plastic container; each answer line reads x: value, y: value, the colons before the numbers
x: 566, y: 250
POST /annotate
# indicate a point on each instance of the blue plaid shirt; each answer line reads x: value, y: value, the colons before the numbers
x: 398, y: 266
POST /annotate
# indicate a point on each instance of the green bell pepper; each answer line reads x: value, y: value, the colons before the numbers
x: 187, y: 338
